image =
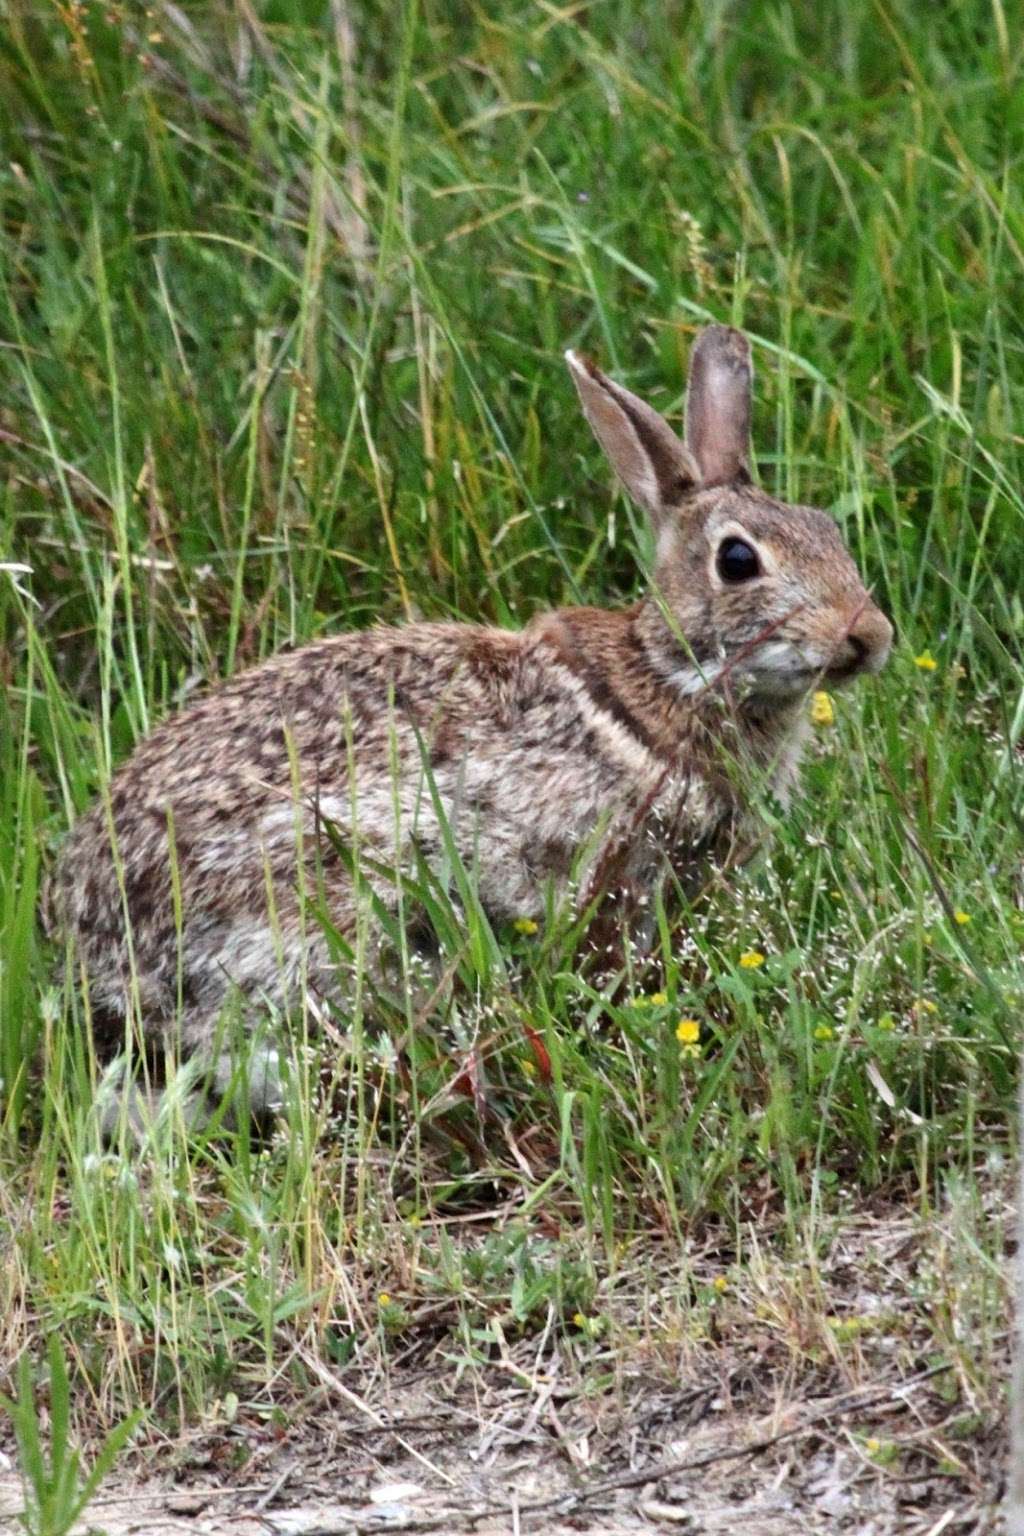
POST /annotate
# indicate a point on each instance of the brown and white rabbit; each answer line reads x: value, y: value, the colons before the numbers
x: 592, y: 740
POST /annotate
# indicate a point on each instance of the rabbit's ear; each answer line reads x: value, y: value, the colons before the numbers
x: 650, y: 460
x: 718, y: 405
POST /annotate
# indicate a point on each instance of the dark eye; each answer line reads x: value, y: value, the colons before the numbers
x: 737, y: 560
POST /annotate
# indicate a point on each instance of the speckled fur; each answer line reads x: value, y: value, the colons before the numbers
x: 591, y: 740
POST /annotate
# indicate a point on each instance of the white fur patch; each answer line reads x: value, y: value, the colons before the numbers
x: 692, y: 680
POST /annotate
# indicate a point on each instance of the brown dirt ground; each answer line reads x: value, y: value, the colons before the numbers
x: 450, y: 1461
x: 756, y: 1425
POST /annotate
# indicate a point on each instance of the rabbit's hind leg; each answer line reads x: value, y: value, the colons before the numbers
x: 237, y: 1076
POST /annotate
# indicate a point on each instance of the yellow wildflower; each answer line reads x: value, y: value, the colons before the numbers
x: 658, y: 999
x: 384, y: 1299
x: 525, y: 925
x: 963, y: 918
x: 688, y: 1031
x: 752, y: 960
x: 720, y: 1284
x: 926, y: 661
x: 579, y: 1319
x: 822, y: 709
x: 872, y: 1446
x: 824, y: 1032
x: 925, y: 1005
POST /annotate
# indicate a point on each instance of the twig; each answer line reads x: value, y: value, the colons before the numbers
x: 272, y: 1492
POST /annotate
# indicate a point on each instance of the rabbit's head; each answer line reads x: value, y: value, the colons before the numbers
x: 752, y: 590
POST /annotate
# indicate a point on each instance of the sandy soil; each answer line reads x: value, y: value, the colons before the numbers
x: 516, y: 1458
x: 764, y: 1426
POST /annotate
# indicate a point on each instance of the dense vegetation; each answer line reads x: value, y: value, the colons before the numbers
x: 284, y: 291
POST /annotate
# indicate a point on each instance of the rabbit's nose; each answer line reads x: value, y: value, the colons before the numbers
x: 867, y: 642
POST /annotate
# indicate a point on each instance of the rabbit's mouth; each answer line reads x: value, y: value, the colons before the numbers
x: 785, y: 669
x: 843, y: 672
x: 778, y: 668
x: 795, y: 671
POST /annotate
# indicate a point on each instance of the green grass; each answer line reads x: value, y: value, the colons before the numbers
x: 282, y: 310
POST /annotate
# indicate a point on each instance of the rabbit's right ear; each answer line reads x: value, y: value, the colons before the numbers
x: 653, y: 464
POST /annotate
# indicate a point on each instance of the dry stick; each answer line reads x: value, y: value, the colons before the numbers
x: 270, y: 1494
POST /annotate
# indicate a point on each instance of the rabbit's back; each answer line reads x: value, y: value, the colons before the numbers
x: 187, y: 879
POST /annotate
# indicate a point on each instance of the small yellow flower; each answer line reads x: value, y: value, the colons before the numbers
x: 926, y: 661
x: 752, y: 960
x: 925, y: 1005
x: 528, y: 1066
x: 525, y: 925
x: 872, y: 1446
x: 688, y: 1031
x: 579, y: 1319
x: 824, y: 1032
x: 658, y: 999
x: 963, y: 918
x: 822, y: 709
x: 719, y: 1284
x: 384, y: 1299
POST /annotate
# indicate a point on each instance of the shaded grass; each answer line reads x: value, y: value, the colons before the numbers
x: 283, y: 303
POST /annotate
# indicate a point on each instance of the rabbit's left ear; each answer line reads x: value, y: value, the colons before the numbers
x: 653, y: 464
x: 718, y: 405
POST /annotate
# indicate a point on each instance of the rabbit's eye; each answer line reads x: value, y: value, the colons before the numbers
x: 737, y: 560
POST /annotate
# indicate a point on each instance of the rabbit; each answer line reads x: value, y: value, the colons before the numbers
x: 591, y: 746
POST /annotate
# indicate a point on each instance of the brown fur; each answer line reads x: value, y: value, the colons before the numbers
x: 609, y: 744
